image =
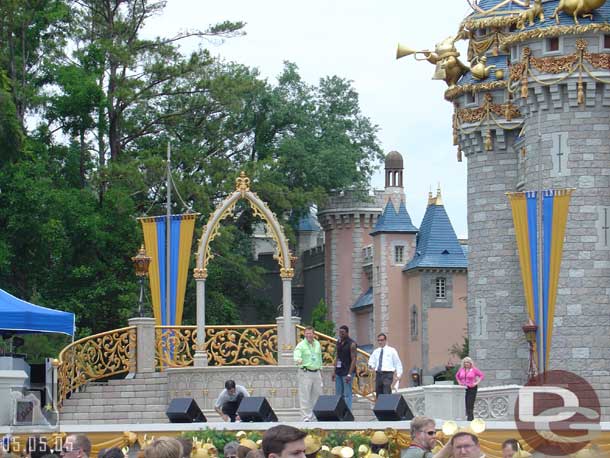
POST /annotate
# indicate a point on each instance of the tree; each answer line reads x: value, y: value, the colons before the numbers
x: 320, y: 321
x: 72, y: 186
x: 31, y: 31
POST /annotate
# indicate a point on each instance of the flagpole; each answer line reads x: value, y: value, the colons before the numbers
x: 168, y: 237
x: 539, y: 246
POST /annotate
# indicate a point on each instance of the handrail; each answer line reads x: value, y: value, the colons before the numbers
x: 365, y: 377
x: 239, y: 345
x: 95, y: 357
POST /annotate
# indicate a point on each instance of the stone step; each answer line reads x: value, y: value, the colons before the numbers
x: 145, y: 400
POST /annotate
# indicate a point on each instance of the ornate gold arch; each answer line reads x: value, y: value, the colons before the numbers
x: 260, y: 209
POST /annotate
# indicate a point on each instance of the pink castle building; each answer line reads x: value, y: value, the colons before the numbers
x: 383, y: 274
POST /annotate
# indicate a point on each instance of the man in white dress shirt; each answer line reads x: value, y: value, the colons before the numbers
x: 386, y: 364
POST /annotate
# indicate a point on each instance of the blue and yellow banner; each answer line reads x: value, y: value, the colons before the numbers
x: 541, y: 264
x: 181, y: 239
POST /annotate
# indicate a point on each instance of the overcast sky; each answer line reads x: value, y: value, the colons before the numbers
x: 356, y: 40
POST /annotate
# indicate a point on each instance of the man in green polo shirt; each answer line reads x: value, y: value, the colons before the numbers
x: 308, y: 357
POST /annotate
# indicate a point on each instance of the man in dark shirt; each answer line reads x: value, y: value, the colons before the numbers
x: 345, y: 365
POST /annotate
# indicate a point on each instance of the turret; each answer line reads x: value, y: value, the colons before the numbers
x: 532, y: 115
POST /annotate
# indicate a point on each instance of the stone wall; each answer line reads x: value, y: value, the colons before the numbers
x: 563, y: 145
x: 496, y: 307
x: 568, y: 146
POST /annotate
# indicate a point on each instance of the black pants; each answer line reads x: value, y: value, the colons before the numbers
x: 471, y: 396
x: 230, y: 407
x: 383, y: 382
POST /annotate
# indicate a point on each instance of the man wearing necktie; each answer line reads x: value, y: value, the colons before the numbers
x: 386, y: 364
x: 308, y: 357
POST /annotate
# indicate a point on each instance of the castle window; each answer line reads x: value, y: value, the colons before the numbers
x: 367, y: 255
x: 514, y: 53
x: 414, y: 322
x: 399, y: 254
x: 470, y: 98
x: 551, y: 45
x: 441, y: 288
x: 606, y: 41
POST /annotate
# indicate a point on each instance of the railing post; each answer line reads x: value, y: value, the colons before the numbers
x: 201, y: 356
x: 286, y: 338
x: 145, y: 344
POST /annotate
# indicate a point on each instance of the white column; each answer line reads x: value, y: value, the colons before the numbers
x: 286, y: 325
x: 201, y: 357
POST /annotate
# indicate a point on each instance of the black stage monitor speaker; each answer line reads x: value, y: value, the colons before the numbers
x: 332, y: 408
x: 392, y: 407
x: 255, y: 409
x: 184, y: 410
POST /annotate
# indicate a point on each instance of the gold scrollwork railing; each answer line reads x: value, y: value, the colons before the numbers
x: 224, y: 345
x: 95, y: 357
x: 365, y: 377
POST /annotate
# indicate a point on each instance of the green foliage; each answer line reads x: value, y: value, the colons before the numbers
x: 37, y: 347
x: 107, y: 101
x: 220, y: 438
x: 320, y: 321
x: 460, y: 351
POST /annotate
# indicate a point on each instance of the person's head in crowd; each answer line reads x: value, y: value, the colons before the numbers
x: 509, y: 448
x: 164, y: 447
x: 423, y: 432
x: 283, y: 441
x: 465, y: 445
x: 37, y: 448
x: 230, y: 450
x: 113, y: 452
x: 187, y: 446
x: 100, y: 454
x: 245, y: 447
x: 255, y: 454
x: 76, y: 446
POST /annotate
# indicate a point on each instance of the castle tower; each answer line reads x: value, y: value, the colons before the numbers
x: 436, y: 292
x: 393, y: 178
x: 537, y: 120
x: 393, y: 245
x: 347, y: 219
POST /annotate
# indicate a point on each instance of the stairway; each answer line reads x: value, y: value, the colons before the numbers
x: 139, y: 400
x: 144, y: 400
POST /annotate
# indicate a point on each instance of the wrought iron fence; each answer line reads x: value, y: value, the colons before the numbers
x: 114, y: 352
x: 224, y: 345
x: 364, y: 385
x: 95, y: 357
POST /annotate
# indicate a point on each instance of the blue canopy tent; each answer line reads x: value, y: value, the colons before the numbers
x: 18, y: 316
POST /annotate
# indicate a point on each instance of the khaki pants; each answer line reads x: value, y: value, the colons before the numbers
x: 310, y: 388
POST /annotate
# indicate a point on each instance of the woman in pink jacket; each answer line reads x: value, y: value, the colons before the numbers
x: 470, y: 377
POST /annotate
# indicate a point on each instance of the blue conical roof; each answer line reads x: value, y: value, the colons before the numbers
x: 437, y: 245
x: 391, y: 221
x: 308, y: 223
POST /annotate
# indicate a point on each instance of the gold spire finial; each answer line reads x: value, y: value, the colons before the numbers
x: 242, y: 183
x: 439, y: 198
x: 430, y: 197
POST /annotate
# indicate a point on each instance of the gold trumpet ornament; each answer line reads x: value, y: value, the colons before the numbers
x: 445, y: 56
x: 479, y: 69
